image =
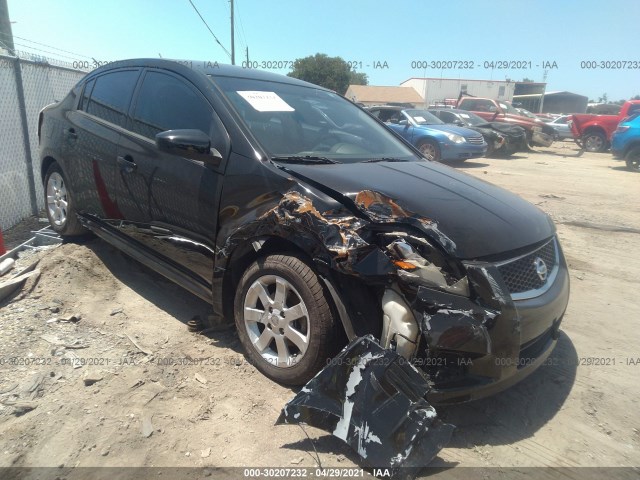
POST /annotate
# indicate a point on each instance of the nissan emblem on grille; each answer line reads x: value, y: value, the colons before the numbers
x: 541, y: 268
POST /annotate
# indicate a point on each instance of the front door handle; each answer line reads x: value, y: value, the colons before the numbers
x: 126, y: 164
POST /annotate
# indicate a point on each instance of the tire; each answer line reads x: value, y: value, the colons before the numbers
x: 633, y: 159
x: 289, y: 353
x: 430, y: 149
x: 60, y: 205
x: 594, y: 141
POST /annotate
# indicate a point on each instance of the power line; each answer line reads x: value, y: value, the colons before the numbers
x: 210, y: 31
x: 244, y: 37
x: 45, y: 45
x: 46, y: 51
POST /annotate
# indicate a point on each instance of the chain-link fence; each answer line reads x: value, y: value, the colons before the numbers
x: 26, y: 86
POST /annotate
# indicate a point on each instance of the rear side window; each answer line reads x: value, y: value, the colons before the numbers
x: 86, y: 94
x: 633, y: 108
x: 111, y: 96
x: 476, y: 105
x: 165, y: 102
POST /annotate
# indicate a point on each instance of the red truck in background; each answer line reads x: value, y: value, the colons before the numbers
x: 593, y: 132
x: 538, y: 132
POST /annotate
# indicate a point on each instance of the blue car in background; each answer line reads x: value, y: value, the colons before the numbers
x: 435, y: 139
x: 625, y: 142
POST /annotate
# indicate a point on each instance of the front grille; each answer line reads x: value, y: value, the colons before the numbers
x: 475, y: 140
x: 520, y: 274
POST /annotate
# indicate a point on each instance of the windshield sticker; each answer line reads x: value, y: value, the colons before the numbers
x: 464, y: 115
x: 419, y: 119
x: 266, y: 101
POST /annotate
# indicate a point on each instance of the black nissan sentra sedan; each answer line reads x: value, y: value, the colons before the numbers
x: 306, y: 221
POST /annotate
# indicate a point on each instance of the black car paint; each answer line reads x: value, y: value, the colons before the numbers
x: 247, y: 205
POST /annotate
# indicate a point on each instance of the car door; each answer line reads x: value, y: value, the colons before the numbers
x: 170, y: 202
x: 91, y: 141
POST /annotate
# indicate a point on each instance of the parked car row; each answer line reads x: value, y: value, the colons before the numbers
x: 443, y: 133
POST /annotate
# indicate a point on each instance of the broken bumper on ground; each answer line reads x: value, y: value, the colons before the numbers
x: 374, y: 400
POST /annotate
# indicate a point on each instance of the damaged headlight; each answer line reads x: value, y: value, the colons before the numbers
x: 455, y: 138
x: 420, y: 263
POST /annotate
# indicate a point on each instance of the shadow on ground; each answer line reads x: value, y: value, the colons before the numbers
x: 516, y: 413
x: 163, y: 293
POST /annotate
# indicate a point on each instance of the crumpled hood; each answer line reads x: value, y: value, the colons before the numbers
x: 477, y: 217
x: 505, y: 128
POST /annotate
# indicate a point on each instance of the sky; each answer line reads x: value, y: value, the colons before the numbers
x: 390, y: 41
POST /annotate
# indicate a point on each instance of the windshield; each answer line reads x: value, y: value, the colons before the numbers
x: 423, y: 117
x: 297, y: 123
x: 471, y: 118
x: 508, y: 108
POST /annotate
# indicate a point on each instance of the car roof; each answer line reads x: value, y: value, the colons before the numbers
x: 210, y: 68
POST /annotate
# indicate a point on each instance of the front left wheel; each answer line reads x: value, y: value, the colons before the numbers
x: 284, y: 320
x: 60, y: 206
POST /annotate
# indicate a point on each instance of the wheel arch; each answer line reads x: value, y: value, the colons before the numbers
x: 47, y: 161
x: 630, y: 146
x: 353, y: 318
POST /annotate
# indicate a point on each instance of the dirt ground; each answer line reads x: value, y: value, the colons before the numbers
x: 128, y: 385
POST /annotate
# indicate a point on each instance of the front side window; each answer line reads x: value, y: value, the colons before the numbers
x: 111, y: 96
x: 165, y: 102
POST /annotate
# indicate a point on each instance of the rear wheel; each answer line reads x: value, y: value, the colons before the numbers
x: 284, y: 320
x: 60, y: 204
x: 430, y: 149
x: 594, y: 141
x: 633, y: 159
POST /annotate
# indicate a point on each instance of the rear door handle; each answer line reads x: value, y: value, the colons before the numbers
x: 126, y: 164
x: 71, y: 133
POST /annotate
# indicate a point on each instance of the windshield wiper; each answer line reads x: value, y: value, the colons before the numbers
x: 385, y: 159
x: 304, y: 159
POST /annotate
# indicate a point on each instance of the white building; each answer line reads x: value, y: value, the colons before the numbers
x: 447, y: 90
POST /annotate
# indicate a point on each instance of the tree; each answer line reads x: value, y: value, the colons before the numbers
x: 637, y: 97
x: 358, y: 78
x: 525, y: 79
x: 329, y: 72
x: 603, y: 98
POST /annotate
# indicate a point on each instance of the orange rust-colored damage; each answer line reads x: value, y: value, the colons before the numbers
x: 385, y: 208
x: 295, y: 205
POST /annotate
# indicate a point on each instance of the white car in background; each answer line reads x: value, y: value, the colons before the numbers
x: 561, y: 126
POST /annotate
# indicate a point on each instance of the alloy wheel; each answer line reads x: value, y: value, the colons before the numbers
x: 276, y: 320
x: 57, y: 200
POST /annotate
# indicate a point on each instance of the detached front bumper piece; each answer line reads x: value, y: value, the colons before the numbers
x: 374, y: 400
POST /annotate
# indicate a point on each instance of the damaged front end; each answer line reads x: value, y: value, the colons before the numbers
x: 424, y: 326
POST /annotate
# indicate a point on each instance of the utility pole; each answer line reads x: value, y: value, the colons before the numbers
x: 247, y: 51
x: 6, y: 36
x: 544, y: 89
x: 233, y: 42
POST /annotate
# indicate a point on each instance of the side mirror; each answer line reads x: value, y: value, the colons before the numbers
x: 193, y: 144
x: 459, y: 123
x: 403, y: 122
